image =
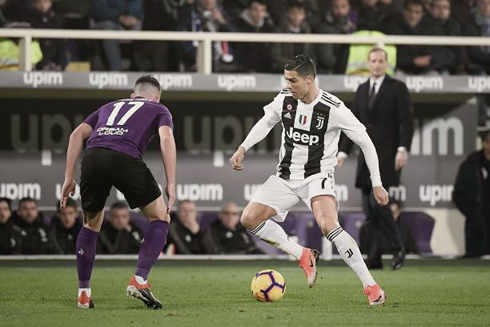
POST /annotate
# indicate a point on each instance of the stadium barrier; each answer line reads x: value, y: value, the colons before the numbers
x: 204, y: 61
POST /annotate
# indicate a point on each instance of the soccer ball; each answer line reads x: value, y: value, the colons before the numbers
x: 268, y: 286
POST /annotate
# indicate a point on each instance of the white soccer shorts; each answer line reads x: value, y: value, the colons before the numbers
x: 281, y: 195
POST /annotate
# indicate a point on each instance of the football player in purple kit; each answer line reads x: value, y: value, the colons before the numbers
x: 117, y: 134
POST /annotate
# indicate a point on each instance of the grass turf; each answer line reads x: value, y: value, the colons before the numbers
x: 435, y: 293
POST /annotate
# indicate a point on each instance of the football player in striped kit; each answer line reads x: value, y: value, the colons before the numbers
x: 312, y: 120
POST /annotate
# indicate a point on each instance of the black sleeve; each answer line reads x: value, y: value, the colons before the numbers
x: 211, y: 243
x: 405, y: 115
x: 180, y: 247
x: 463, y: 188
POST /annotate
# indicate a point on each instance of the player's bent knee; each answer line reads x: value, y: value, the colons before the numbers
x: 327, y: 223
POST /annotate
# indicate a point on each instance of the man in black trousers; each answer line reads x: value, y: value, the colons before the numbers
x: 383, y: 105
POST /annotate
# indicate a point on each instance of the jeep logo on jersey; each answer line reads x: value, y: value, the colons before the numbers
x: 302, y: 138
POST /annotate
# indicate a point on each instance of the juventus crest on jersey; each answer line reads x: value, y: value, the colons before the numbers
x: 311, y: 133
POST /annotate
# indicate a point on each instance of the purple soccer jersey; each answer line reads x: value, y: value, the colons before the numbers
x: 127, y: 125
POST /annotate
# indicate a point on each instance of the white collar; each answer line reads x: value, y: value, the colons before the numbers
x: 378, y: 81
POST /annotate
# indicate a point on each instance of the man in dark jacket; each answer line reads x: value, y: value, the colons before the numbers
x: 479, y: 26
x: 253, y: 57
x: 186, y: 235
x: 119, y: 235
x: 54, y: 50
x: 417, y: 59
x: 384, y: 106
x: 471, y: 196
x: 34, y: 234
x: 228, y: 236
x: 446, y: 25
x: 65, y: 227
x: 340, y: 19
x: 9, y: 233
x: 295, y: 24
x: 116, y: 15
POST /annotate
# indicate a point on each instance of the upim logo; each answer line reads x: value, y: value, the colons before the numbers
x: 43, y: 78
x: 230, y: 82
x: 174, y: 81
x: 417, y: 83
x: 101, y: 80
x: 18, y: 191
x: 435, y: 193
x: 75, y: 197
x: 398, y: 193
x: 479, y: 83
x: 353, y: 82
x: 249, y: 190
x: 425, y: 136
x: 200, y: 192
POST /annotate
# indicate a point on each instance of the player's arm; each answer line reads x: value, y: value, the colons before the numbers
x: 75, y: 145
x: 355, y: 130
x: 169, y: 156
x: 260, y: 130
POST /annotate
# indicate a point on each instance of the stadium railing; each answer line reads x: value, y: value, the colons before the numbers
x: 205, y: 39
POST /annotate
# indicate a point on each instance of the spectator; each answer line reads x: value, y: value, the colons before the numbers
x: 116, y: 15
x: 448, y: 26
x: 253, y: 57
x: 16, y: 10
x: 65, y: 227
x: 34, y: 235
x: 416, y: 59
x: 471, y: 196
x: 119, y: 235
x: 228, y: 236
x: 186, y: 236
x: 369, y: 235
x: 295, y: 24
x: 162, y: 56
x: 339, y: 20
x: 54, y: 54
x: 371, y: 12
x: 205, y: 16
x: 313, y: 8
x: 480, y: 26
x: 9, y: 233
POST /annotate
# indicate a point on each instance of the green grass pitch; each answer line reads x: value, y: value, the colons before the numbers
x: 217, y: 293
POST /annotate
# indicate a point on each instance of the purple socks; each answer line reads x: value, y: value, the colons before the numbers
x: 151, y: 246
x: 86, y: 246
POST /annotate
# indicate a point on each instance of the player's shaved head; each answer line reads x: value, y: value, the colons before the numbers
x: 147, y: 86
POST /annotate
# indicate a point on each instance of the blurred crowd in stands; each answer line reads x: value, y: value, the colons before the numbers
x: 363, y: 17
x: 27, y: 231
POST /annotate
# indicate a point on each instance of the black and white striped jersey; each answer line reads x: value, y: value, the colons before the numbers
x: 310, y: 133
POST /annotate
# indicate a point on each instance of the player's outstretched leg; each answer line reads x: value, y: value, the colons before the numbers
x: 86, y: 246
x: 255, y: 218
x: 153, y: 242
x: 324, y: 208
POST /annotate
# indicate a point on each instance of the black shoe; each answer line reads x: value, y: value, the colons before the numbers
x: 143, y: 293
x: 398, y: 259
x: 374, y: 264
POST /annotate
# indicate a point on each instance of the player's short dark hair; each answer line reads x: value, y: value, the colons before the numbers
x: 148, y: 79
x: 485, y: 134
x: 302, y: 64
x: 69, y: 203
x: 295, y: 5
x: 119, y: 205
x: 261, y: 2
x: 395, y: 202
x: 412, y: 2
x: 377, y: 49
x: 8, y: 201
x: 181, y: 202
x: 27, y: 199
